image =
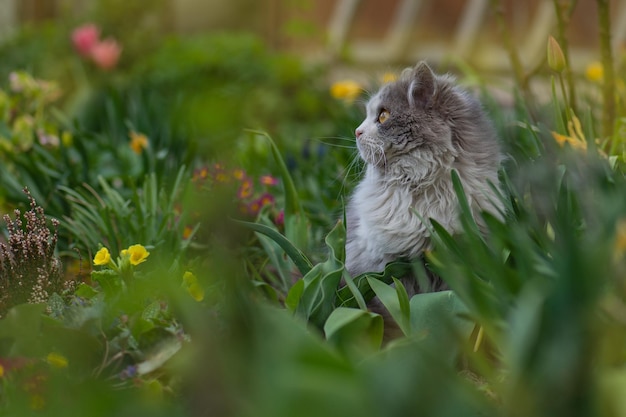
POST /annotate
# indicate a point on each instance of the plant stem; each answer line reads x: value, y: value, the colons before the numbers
x: 521, y: 79
x: 568, y: 110
x: 608, y: 87
x: 564, y: 10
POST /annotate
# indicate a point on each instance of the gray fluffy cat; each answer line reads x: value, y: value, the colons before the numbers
x: 417, y: 130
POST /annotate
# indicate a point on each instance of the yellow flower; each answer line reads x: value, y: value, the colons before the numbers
x: 136, y: 253
x: 190, y: 282
x: 346, y: 90
x: 57, y: 360
x: 103, y: 257
x: 594, y: 71
x: 556, y: 59
x: 575, y: 143
x: 138, y: 142
x: 389, y: 77
x: 1, y: 371
x: 576, y: 138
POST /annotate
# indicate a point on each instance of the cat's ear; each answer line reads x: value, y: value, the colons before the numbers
x: 422, y: 87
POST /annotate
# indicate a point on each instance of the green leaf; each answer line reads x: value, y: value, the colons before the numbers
x: 319, y: 294
x: 292, y: 203
x: 391, y: 300
x: 110, y: 281
x: 350, y: 329
x: 159, y: 355
x: 296, y: 223
x: 21, y: 325
x: 321, y: 282
x: 439, y: 321
x: 299, y: 259
x: 394, y: 269
x: 294, y: 295
x: 467, y: 218
x: 85, y: 291
x: 152, y: 311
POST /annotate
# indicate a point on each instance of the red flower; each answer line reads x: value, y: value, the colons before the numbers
x: 85, y: 37
x: 106, y: 53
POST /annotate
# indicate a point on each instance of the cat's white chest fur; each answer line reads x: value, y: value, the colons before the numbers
x: 391, y: 219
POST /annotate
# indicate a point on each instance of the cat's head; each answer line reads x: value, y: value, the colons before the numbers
x: 421, y: 116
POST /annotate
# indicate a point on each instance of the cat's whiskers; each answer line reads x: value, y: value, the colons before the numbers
x: 351, y: 168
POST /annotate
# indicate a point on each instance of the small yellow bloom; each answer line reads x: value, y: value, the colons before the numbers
x: 138, y: 142
x: 1, y: 371
x: 389, y: 77
x: 595, y: 72
x: 190, y: 282
x: 346, y: 90
x: 103, y: 257
x: 239, y: 174
x: 576, y: 138
x: 575, y: 143
x: 57, y: 360
x: 136, y: 253
x: 556, y: 59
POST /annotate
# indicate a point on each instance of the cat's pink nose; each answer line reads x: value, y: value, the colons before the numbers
x: 358, y: 133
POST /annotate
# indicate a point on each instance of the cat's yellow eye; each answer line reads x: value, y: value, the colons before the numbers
x: 383, y: 116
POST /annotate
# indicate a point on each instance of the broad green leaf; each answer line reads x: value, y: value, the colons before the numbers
x: 321, y: 282
x: 389, y: 297
x: 85, y: 291
x: 439, y: 321
x: 345, y: 295
x: 354, y: 329
x: 110, y: 281
x: 319, y: 294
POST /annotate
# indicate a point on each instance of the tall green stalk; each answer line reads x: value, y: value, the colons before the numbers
x: 608, y: 87
x: 564, y: 10
x: 516, y: 63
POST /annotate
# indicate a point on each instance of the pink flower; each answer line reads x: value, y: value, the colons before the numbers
x: 85, y: 37
x: 279, y: 220
x: 106, y: 53
x: 245, y: 190
x: 268, y: 180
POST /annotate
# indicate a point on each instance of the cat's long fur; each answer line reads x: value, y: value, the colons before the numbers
x: 433, y: 126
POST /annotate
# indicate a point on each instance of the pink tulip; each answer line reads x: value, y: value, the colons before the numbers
x: 106, y: 53
x: 85, y: 37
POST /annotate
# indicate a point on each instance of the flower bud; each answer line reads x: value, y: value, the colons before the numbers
x: 556, y: 59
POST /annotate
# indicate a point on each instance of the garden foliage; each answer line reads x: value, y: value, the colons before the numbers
x: 169, y: 258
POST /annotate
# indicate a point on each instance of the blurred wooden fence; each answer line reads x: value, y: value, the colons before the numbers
x: 376, y: 31
x: 464, y: 29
